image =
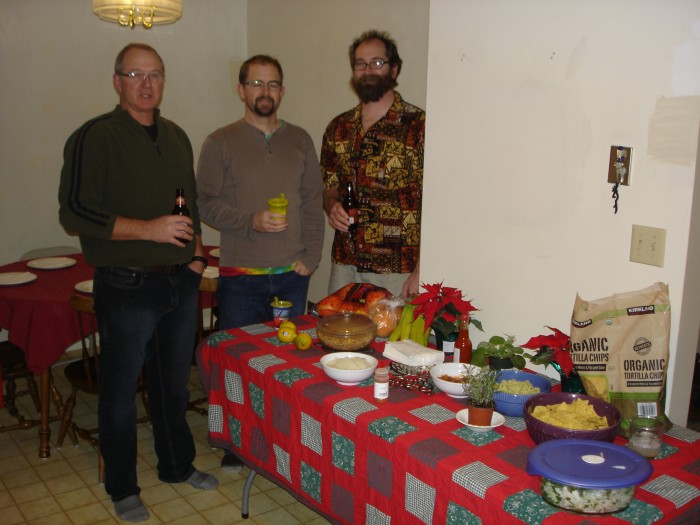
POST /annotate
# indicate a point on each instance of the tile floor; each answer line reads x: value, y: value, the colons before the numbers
x: 63, y: 489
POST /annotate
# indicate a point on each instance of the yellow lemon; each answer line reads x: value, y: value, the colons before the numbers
x: 303, y: 341
x: 286, y: 334
x: 288, y: 324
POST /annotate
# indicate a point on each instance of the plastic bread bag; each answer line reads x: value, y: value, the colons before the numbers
x: 353, y: 297
x: 620, y: 348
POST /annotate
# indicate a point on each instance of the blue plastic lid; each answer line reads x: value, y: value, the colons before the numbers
x: 588, y: 464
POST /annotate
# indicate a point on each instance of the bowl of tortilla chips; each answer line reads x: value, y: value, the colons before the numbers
x: 564, y: 415
x: 515, y: 387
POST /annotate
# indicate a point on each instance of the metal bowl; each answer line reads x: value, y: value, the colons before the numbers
x: 346, y: 332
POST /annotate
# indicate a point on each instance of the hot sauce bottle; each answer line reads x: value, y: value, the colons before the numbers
x: 463, y: 345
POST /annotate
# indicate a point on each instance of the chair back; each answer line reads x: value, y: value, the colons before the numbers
x: 49, y: 251
x: 87, y: 325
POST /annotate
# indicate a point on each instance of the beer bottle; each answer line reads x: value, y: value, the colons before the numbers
x: 463, y: 345
x: 350, y: 206
x: 181, y: 208
x: 180, y: 204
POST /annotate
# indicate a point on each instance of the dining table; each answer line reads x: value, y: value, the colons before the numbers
x: 409, y: 460
x: 35, y: 311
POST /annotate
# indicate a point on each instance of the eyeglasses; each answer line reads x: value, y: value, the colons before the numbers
x: 373, y: 64
x: 272, y: 85
x: 155, y: 76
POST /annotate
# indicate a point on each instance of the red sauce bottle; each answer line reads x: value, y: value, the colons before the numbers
x: 463, y: 345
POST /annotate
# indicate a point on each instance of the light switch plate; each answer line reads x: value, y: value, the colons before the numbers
x: 621, y: 155
x: 648, y: 245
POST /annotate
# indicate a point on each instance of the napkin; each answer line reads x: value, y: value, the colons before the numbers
x: 410, y: 353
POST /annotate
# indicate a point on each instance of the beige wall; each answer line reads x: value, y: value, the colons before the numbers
x: 57, y: 60
x: 525, y: 99
x: 314, y: 55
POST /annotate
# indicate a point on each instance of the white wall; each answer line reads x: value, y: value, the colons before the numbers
x: 57, y: 60
x: 525, y: 98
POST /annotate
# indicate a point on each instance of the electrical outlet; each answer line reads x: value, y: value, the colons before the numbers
x: 648, y: 245
x: 620, y: 164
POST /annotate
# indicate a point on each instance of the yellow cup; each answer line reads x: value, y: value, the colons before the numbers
x: 278, y: 204
x: 280, y: 311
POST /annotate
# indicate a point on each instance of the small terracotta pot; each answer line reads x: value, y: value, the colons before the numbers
x: 479, y: 416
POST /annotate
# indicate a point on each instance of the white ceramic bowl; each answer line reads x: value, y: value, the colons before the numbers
x: 348, y: 377
x: 451, y: 388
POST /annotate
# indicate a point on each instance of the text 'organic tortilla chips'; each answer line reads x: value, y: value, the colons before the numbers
x: 620, y: 348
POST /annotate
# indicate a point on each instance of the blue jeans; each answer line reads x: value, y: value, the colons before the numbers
x: 151, y: 319
x: 245, y: 299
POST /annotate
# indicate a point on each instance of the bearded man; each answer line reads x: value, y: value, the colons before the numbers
x: 378, y: 147
x: 264, y: 254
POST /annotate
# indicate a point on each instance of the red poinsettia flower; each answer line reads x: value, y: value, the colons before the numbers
x: 554, y: 347
x: 441, y: 306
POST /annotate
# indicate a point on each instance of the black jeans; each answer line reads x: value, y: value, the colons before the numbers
x: 145, y: 318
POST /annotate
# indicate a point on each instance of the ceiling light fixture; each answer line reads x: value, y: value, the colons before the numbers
x: 130, y: 13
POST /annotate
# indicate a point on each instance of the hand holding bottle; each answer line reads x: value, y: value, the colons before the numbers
x: 351, y: 207
x: 181, y: 209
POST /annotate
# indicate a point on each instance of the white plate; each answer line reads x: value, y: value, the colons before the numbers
x: 51, y: 263
x: 496, y: 421
x: 216, y: 252
x: 11, y: 278
x: 84, y: 286
x: 211, y: 272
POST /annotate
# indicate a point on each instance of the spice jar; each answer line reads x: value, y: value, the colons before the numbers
x: 381, y: 385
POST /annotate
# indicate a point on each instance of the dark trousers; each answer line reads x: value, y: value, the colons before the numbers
x: 245, y: 299
x: 145, y: 318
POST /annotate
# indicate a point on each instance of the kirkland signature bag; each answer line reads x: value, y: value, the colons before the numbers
x: 620, y: 348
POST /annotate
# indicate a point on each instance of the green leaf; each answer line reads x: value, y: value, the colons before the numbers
x: 479, y: 356
x: 518, y: 361
x: 476, y: 323
x: 497, y: 340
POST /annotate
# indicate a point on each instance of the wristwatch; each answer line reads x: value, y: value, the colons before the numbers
x: 201, y: 259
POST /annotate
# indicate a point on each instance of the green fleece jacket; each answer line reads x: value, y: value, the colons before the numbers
x: 112, y: 167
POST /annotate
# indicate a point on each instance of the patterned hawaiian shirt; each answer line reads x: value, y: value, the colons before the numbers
x: 385, y: 165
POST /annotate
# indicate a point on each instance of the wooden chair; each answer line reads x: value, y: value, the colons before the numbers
x: 49, y: 251
x: 83, y: 376
x: 14, y: 368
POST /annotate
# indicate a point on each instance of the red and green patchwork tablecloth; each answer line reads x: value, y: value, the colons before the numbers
x: 408, y: 461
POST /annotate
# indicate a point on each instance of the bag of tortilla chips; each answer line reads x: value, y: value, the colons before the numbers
x: 620, y: 348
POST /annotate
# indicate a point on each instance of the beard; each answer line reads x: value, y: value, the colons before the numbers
x: 264, y: 106
x: 370, y: 88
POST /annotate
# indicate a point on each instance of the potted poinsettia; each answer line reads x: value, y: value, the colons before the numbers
x: 442, y: 306
x: 555, y: 349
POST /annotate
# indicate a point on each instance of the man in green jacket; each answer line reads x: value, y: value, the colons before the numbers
x: 118, y: 183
